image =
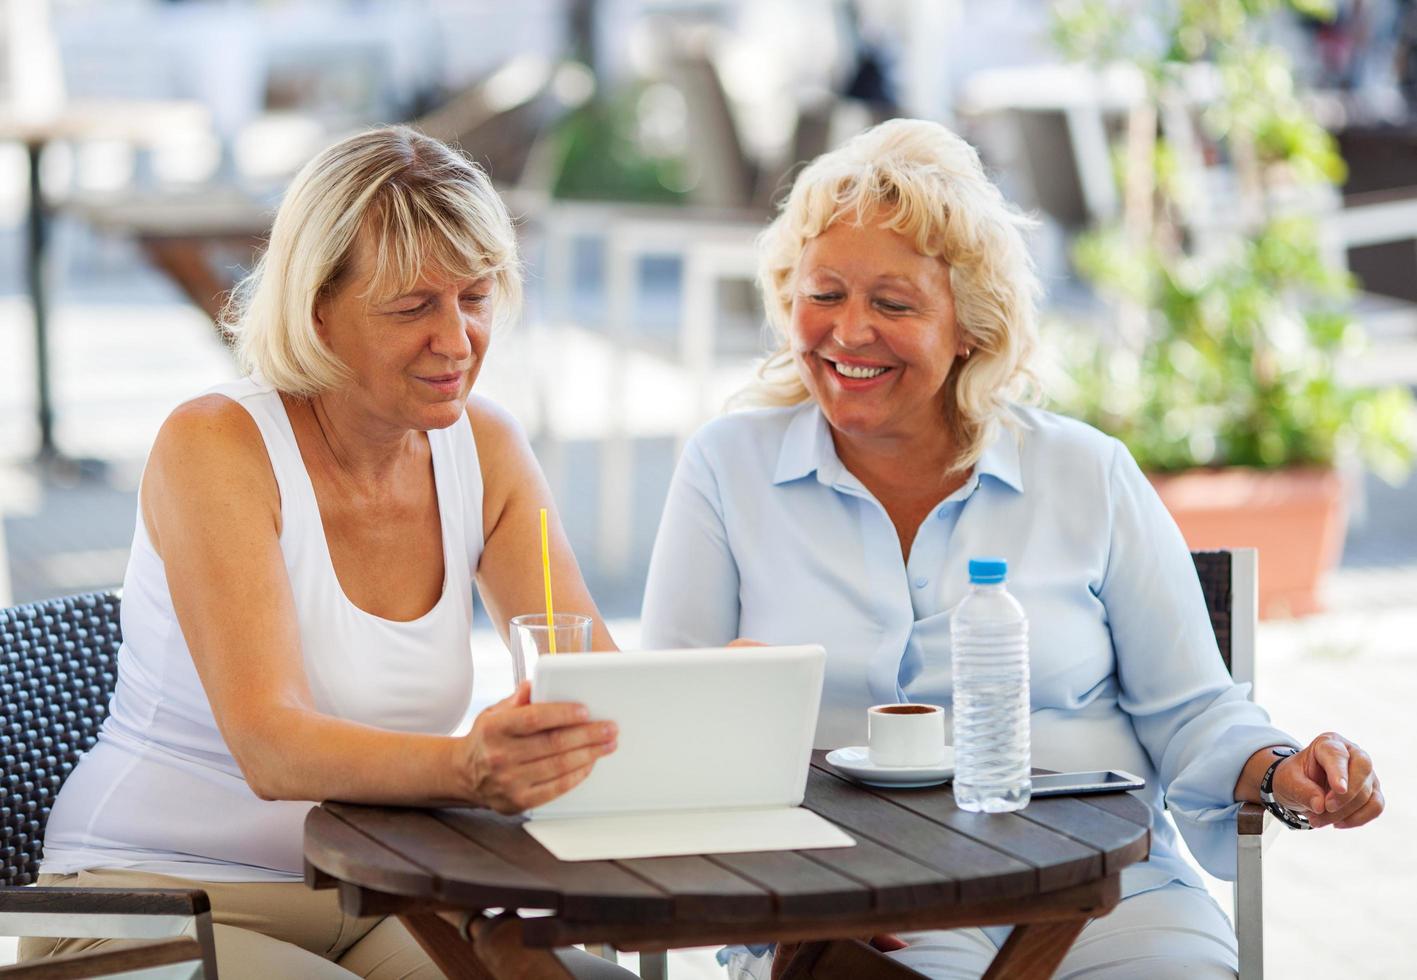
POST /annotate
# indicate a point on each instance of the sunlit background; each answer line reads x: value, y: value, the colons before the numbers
x: 1193, y: 179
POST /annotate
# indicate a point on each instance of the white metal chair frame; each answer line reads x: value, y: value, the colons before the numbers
x: 1257, y: 828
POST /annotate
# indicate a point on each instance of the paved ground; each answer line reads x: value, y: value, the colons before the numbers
x: 126, y: 350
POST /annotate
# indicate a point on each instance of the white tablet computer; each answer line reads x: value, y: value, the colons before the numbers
x: 722, y: 738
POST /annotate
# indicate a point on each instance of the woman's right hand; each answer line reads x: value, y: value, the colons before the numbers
x: 521, y: 755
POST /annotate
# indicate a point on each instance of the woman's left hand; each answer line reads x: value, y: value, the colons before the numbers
x: 1332, y: 782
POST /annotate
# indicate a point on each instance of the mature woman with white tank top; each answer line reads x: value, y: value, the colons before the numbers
x: 297, y: 607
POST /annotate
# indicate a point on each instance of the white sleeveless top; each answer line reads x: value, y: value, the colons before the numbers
x: 160, y: 791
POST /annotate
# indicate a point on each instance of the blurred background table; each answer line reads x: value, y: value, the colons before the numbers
x: 130, y: 121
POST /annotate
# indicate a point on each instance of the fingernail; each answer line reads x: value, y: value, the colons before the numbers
x: 607, y: 730
x: 582, y: 713
x: 1334, y: 804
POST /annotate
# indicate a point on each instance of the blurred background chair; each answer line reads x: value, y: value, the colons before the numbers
x: 58, y: 667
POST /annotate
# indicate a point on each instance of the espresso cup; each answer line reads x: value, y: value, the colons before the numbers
x: 905, y: 734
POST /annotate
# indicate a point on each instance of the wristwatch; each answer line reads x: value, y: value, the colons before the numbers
x: 1290, y: 818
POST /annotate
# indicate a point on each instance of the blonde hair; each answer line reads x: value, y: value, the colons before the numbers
x: 421, y: 204
x: 933, y: 189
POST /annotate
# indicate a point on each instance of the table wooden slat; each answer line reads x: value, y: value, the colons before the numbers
x: 589, y: 889
x: 1058, y: 860
x: 342, y: 852
x: 1123, y: 805
x: 980, y: 872
x: 464, y: 873
x: 1092, y: 826
x: 896, y: 882
x: 703, y: 889
x: 800, y: 886
x: 1090, y: 900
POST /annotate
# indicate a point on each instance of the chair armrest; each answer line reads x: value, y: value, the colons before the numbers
x: 1256, y: 827
x: 107, y: 962
x: 1251, y: 820
x: 1255, y: 821
x: 103, y: 901
x: 110, y: 913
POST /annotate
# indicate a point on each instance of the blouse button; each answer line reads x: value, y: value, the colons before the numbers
x: 942, y: 513
x: 921, y: 582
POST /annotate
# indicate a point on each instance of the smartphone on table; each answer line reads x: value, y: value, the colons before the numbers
x: 1082, y: 783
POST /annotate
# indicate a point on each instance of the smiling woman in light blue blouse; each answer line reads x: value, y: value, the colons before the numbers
x: 897, y: 442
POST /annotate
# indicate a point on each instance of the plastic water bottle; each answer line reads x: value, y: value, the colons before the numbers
x: 989, y: 640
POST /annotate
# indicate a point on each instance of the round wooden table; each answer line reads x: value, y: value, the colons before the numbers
x: 919, y: 863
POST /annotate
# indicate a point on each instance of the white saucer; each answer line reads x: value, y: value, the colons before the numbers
x: 855, y: 761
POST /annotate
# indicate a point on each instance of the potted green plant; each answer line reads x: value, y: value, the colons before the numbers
x: 1219, y: 372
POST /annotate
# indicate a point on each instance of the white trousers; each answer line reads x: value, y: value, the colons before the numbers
x: 1173, y: 933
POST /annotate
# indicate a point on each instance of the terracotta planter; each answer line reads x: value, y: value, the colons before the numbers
x: 1296, y: 518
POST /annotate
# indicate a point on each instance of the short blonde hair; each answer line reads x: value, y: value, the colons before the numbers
x: 933, y: 189
x: 421, y: 204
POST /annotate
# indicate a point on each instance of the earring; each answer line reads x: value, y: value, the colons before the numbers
x: 967, y: 352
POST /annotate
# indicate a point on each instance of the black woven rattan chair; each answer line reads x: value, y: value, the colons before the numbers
x: 1230, y: 581
x: 58, y: 667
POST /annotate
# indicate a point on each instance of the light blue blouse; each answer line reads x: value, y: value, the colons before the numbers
x: 766, y: 535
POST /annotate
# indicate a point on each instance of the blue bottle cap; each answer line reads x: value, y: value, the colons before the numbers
x: 987, y: 571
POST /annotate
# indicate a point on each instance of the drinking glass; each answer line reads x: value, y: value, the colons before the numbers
x: 530, y: 638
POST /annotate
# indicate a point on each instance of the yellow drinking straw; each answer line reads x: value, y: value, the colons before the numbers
x: 546, y: 573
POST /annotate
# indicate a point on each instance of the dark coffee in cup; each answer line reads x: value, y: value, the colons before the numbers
x: 907, y: 709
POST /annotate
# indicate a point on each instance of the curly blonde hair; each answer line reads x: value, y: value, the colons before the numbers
x: 932, y: 186
x: 419, y: 201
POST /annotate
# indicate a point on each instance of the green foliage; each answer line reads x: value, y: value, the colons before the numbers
x: 1224, y: 355
x: 1091, y: 30
x: 603, y: 158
